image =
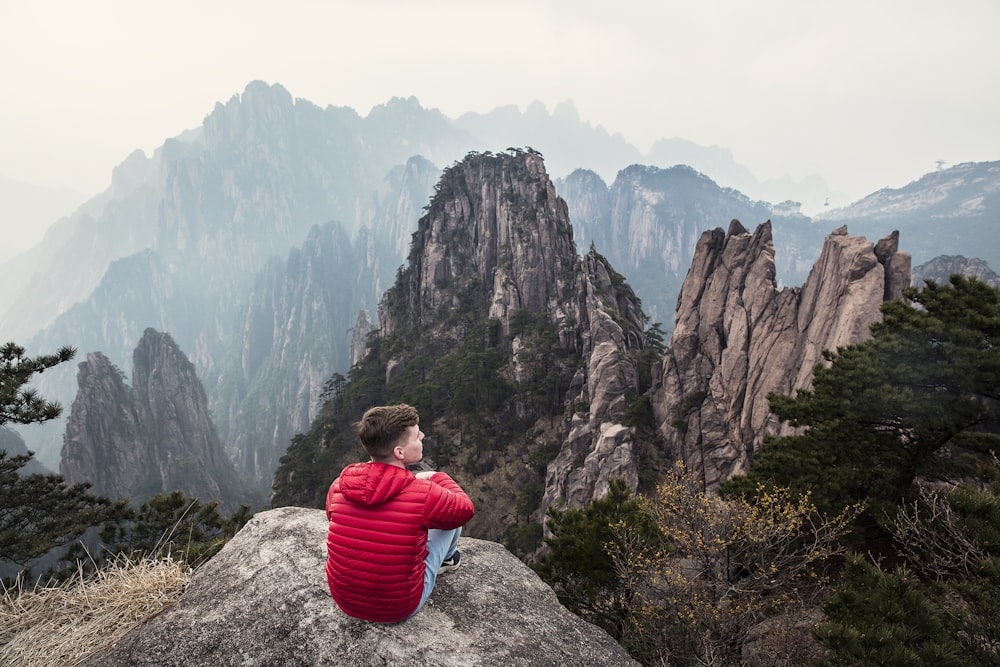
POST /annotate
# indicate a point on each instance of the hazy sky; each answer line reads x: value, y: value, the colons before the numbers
x: 867, y: 93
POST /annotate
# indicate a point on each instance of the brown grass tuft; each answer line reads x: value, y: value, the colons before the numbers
x: 65, y: 624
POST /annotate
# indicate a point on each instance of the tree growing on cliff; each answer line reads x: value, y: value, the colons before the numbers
x: 920, y: 398
x: 940, y: 605
x: 38, y: 512
x: 732, y: 565
x: 894, y: 420
x: 577, y: 563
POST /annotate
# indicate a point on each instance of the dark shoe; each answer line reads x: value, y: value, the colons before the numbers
x: 451, y: 563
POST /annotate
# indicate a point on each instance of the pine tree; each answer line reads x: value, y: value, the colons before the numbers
x: 20, y: 405
x: 173, y: 524
x: 891, y: 422
x: 880, y: 618
x: 942, y: 606
x: 38, y: 512
x: 920, y: 398
x: 577, y: 564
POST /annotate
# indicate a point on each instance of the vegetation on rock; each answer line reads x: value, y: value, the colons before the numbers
x: 898, y: 440
x: 468, y: 336
x: 38, y: 512
x: 42, y: 516
x: 920, y: 399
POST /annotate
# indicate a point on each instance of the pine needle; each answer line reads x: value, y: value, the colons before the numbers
x: 65, y: 624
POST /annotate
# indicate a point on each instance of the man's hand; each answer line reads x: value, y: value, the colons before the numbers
x: 425, y: 474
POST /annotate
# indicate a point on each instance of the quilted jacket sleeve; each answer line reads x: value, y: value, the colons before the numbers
x: 447, y: 505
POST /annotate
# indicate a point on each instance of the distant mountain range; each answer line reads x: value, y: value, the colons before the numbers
x: 27, y: 210
x: 569, y: 144
x: 258, y: 240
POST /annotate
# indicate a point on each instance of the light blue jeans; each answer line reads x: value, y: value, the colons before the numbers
x: 441, y: 544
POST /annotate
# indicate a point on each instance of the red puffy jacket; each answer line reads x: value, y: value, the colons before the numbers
x: 379, y: 515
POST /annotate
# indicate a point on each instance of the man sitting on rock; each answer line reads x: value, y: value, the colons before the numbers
x: 392, y: 531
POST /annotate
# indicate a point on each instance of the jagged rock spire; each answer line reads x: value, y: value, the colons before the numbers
x: 738, y: 338
x: 154, y: 437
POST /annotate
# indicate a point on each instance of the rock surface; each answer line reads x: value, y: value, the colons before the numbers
x: 738, y: 338
x: 942, y: 267
x: 596, y: 447
x: 263, y: 600
x: 153, y: 437
x: 647, y: 223
x: 521, y: 354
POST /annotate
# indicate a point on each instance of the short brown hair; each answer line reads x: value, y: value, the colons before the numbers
x: 381, y: 427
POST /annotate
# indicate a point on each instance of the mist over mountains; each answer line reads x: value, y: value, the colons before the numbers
x: 256, y: 240
x: 27, y: 210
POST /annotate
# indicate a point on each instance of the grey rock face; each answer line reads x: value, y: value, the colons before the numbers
x: 500, y: 223
x: 289, y: 343
x: 263, y: 600
x: 359, y: 336
x: 497, y: 222
x: 103, y: 436
x: 647, y: 223
x: 941, y: 268
x: 153, y: 437
x: 946, y: 212
x: 737, y: 338
x: 610, y: 375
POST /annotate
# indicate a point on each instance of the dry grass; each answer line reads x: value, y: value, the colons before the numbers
x: 65, y: 624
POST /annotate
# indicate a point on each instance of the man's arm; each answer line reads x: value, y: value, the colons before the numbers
x: 447, y: 505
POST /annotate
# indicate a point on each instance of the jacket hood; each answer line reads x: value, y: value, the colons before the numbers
x: 373, y: 483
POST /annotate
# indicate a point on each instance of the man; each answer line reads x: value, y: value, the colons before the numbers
x: 391, y: 531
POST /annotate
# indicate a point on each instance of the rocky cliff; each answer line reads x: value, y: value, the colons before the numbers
x: 596, y: 446
x: 179, y: 240
x: 946, y: 212
x: 263, y: 600
x: 941, y: 268
x: 648, y: 222
x: 290, y: 339
x: 153, y: 437
x: 737, y: 337
x: 517, y: 352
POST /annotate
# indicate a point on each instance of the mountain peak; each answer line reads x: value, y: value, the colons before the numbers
x: 520, y: 355
x: 261, y: 91
x: 398, y: 104
x: 738, y: 338
x: 495, y: 219
x: 128, y: 441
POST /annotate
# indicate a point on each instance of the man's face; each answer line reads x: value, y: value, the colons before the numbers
x: 410, y: 447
